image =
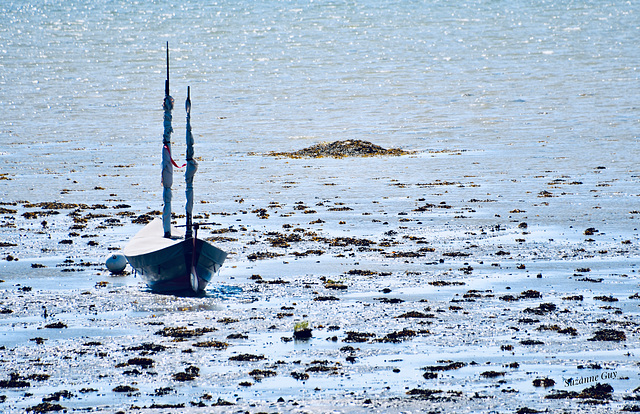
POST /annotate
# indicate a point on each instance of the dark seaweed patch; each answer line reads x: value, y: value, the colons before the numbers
x: 211, y: 344
x: 531, y: 342
x: 448, y: 367
x: 599, y: 392
x: 358, y: 336
x: 606, y: 298
x: 325, y: 298
x: 543, y: 382
x: 141, y: 362
x: 397, y: 337
x: 147, y: 348
x: 445, y: 283
x: 247, y: 358
x: 392, y: 301
x: 263, y: 256
x: 542, y: 309
x: 15, y: 381
x: 190, y: 373
x: 492, y: 374
x: 259, y: 374
x: 124, y: 388
x: 302, y: 376
x: 341, y: 149
x: 415, y: 314
x: 182, y: 332
x: 56, y: 396
x: 527, y: 410
x: 45, y: 407
x: 608, y: 335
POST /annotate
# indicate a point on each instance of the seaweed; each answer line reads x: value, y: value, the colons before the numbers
x: 190, y: 373
x: 56, y: 396
x: 445, y: 283
x: 608, y: 335
x: 397, y: 337
x: 543, y: 382
x: 415, y: 314
x: 247, y: 358
x: 448, y: 367
x: 358, y: 336
x: 301, y: 376
x: 141, y: 362
x: 182, y: 332
x: 263, y: 256
x: 124, y: 388
x: 531, y: 342
x: 598, y: 391
x: 301, y: 330
x: 542, y: 309
x: 259, y: 374
x: 492, y: 374
x: 15, y: 381
x: 147, y: 348
x: 45, y: 407
x: 342, y: 149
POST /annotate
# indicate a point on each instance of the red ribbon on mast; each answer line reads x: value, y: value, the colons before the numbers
x: 171, y: 158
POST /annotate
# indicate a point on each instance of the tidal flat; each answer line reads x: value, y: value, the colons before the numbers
x: 455, y: 290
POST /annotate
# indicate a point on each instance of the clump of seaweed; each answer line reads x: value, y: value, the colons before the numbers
x: 45, y: 407
x: 492, y: 374
x: 323, y: 366
x: 341, y: 149
x: 415, y: 314
x: 608, y: 335
x: 600, y: 392
x: 125, y: 388
x: 543, y: 382
x: 141, y: 362
x: 146, y: 348
x: 542, y: 309
x: 449, y: 366
x: 182, y: 332
x: 15, y: 381
x: 358, y: 336
x: 247, y: 358
x: 301, y: 376
x: 259, y: 374
x: 263, y: 255
x: 397, y: 337
x: 190, y: 373
x: 212, y: 344
x: 301, y: 330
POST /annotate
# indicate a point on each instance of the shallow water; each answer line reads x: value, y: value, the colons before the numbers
x: 518, y: 113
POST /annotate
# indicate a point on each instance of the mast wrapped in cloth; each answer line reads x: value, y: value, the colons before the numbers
x: 167, y: 166
x: 192, y: 167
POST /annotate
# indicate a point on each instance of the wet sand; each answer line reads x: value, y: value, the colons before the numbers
x: 462, y: 290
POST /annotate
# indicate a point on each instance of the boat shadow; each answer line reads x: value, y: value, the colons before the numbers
x: 217, y: 292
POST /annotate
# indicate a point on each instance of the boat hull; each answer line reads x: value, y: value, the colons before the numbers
x: 173, y: 265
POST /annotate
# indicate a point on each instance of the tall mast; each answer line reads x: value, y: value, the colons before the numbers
x: 192, y: 167
x: 167, y: 167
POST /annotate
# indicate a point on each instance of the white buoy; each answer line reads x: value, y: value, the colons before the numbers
x: 116, y: 262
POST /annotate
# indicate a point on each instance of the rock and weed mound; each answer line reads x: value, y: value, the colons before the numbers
x: 341, y: 149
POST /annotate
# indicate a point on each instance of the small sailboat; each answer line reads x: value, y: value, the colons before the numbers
x: 167, y: 258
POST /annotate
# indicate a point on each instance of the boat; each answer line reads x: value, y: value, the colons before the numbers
x: 166, y: 257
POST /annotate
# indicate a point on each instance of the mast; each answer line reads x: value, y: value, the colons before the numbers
x: 192, y: 167
x: 167, y: 167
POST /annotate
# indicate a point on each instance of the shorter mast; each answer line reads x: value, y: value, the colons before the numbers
x: 192, y: 167
x: 167, y: 167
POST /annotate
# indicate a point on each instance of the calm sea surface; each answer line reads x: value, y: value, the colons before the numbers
x: 81, y: 83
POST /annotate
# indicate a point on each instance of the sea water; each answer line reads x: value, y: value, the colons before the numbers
x: 517, y: 111
x: 81, y: 84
